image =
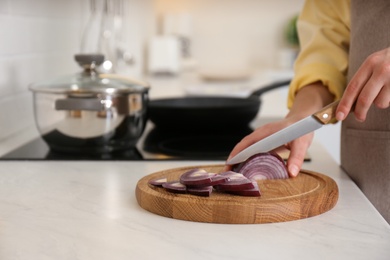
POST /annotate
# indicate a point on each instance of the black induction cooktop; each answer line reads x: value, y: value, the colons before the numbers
x: 155, y: 144
x: 37, y: 149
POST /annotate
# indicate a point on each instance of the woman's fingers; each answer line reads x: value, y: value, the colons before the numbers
x: 367, y: 95
x: 298, y: 149
x: 352, y: 91
x: 382, y: 101
x: 370, y: 85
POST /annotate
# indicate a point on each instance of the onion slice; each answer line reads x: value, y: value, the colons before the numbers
x: 175, y: 187
x: 219, y: 179
x: 254, y: 192
x: 196, y: 177
x: 158, y: 182
x: 263, y: 166
x: 237, y: 181
x: 215, y: 180
x: 200, y: 191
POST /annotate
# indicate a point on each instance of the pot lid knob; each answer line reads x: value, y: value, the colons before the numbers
x: 89, y: 61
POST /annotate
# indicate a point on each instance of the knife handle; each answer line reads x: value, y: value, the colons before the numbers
x: 327, y: 114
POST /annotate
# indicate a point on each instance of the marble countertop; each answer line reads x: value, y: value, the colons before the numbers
x: 88, y: 210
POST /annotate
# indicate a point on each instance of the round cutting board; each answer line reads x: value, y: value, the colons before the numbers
x: 309, y: 194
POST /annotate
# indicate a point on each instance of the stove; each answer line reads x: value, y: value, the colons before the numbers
x: 176, y: 143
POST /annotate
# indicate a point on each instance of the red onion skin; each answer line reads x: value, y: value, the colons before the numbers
x: 196, y: 177
x: 203, y: 191
x: 175, y: 187
x: 158, y: 182
x: 215, y: 180
x: 255, y: 192
x: 237, y: 182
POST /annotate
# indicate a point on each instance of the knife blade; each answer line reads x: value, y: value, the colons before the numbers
x: 298, y: 129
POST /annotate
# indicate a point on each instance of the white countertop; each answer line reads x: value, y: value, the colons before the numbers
x: 88, y: 210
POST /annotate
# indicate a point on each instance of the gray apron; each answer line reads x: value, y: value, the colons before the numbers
x: 365, y: 147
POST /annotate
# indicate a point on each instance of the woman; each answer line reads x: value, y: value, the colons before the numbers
x: 345, y: 54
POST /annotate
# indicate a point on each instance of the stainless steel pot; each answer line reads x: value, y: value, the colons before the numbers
x: 90, y: 112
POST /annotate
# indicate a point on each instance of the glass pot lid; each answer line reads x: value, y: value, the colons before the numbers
x: 90, y: 80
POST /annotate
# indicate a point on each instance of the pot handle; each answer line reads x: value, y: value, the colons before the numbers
x: 79, y: 104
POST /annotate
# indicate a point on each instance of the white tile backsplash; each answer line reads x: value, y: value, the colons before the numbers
x: 37, y: 40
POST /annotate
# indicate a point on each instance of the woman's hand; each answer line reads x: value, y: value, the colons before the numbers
x: 308, y: 100
x: 297, y: 147
x: 370, y: 85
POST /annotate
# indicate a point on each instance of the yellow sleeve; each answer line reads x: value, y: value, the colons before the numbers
x: 323, y: 29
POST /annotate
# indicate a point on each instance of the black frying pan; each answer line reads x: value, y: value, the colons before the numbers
x: 208, y: 112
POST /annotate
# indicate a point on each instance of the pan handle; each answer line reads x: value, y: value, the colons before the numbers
x: 271, y: 86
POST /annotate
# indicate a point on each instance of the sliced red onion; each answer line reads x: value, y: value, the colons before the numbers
x: 175, y: 187
x: 215, y: 180
x: 158, y: 182
x: 263, y: 166
x: 254, y: 192
x: 196, y: 177
x: 237, y: 181
x: 200, y: 191
x: 219, y: 179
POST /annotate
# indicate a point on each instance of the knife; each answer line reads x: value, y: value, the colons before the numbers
x: 298, y: 129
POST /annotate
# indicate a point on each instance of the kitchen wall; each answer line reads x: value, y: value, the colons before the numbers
x: 38, y: 40
x: 227, y: 32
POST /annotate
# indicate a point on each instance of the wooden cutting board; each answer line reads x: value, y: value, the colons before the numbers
x: 307, y: 195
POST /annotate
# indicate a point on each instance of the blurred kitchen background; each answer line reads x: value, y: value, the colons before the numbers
x: 162, y: 41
